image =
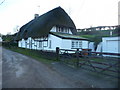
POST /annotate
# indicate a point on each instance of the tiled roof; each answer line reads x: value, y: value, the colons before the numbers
x: 68, y: 36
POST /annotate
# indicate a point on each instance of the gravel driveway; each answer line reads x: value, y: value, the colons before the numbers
x: 20, y: 71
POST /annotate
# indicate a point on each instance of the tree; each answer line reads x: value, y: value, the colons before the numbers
x: 117, y: 31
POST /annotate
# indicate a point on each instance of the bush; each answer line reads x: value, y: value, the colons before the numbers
x: 9, y: 44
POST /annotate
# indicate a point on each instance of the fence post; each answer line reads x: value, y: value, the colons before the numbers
x: 57, y: 53
x: 77, y: 55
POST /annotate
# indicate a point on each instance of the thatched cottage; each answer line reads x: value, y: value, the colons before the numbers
x: 50, y: 30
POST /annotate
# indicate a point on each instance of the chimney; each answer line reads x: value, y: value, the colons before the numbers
x: 36, y: 16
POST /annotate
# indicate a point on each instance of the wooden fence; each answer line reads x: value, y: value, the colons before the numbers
x: 92, y: 61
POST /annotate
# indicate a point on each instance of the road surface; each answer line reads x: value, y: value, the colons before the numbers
x: 20, y: 71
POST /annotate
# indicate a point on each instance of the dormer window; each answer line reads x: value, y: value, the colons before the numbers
x: 61, y: 29
x: 66, y: 30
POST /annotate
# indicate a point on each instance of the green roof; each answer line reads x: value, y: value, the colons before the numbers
x: 41, y: 26
x: 68, y: 36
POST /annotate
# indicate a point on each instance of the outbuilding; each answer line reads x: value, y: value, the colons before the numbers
x: 111, y: 44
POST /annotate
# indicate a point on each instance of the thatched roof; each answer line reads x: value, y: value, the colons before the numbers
x: 41, y: 26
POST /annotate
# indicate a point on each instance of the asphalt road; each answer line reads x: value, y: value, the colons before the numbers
x: 20, y: 71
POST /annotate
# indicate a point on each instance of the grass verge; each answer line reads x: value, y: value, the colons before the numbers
x: 31, y: 53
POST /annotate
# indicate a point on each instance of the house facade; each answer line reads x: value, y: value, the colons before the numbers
x: 62, y: 39
x: 50, y: 30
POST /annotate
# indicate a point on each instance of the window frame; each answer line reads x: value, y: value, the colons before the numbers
x: 76, y: 44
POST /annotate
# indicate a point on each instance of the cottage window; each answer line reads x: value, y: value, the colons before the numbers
x: 76, y: 44
x: 62, y: 30
x: 65, y: 30
x: 40, y: 44
x: 59, y: 29
x: 80, y: 44
x: 73, y: 44
x: 56, y: 29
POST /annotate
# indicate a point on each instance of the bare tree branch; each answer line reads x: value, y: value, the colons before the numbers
x: 2, y: 2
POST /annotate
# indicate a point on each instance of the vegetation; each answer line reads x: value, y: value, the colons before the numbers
x: 7, y: 38
x: 96, y: 36
x: 32, y: 53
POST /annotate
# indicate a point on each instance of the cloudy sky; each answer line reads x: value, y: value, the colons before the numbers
x: 84, y: 13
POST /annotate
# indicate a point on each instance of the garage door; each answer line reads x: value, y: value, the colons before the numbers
x: 112, y: 46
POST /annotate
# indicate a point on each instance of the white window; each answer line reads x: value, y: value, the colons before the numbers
x: 76, y: 44
x: 80, y: 44
x: 73, y: 44
x: 66, y: 31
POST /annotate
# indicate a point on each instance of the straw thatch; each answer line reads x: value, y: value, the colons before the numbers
x: 41, y: 26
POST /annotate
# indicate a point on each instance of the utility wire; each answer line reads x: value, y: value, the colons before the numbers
x: 2, y: 2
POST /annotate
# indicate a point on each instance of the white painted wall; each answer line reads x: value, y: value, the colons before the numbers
x: 53, y: 29
x: 0, y: 39
x: 70, y: 31
x: 23, y: 43
x: 99, y: 47
x: 55, y: 42
x: 111, y: 44
x: 91, y: 46
x: 27, y: 43
x: 19, y: 43
x: 84, y: 44
x: 66, y: 44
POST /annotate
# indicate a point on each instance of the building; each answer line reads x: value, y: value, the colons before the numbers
x: 111, y: 44
x: 50, y: 30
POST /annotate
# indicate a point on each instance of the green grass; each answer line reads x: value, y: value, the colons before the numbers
x: 31, y: 53
x: 93, y: 59
x: 98, y: 59
x: 36, y: 55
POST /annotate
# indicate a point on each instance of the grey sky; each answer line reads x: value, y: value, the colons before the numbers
x: 84, y: 13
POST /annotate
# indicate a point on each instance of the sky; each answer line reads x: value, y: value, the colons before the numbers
x: 84, y: 13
